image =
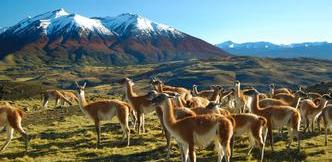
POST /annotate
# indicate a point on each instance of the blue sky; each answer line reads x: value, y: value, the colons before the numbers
x: 277, y: 21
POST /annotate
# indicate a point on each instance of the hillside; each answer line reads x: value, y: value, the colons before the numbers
x: 251, y: 71
x: 60, y: 37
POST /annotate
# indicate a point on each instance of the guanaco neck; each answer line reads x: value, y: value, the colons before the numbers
x: 238, y: 90
x: 272, y: 91
x: 255, y: 104
x: 168, y: 115
x: 179, y: 101
x: 195, y: 91
x: 81, y: 101
x: 322, y: 104
x: 215, y: 95
x: 130, y: 92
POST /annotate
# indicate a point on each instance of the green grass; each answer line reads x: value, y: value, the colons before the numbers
x: 65, y: 134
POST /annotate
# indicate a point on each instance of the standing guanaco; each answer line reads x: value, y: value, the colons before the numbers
x: 10, y: 118
x: 56, y: 95
x: 198, y: 130
x: 105, y: 110
x: 278, y: 116
x: 140, y: 103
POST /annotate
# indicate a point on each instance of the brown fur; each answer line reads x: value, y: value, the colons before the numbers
x: 55, y: 94
x: 197, y: 102
x: 184, y: 129
x: 275, y: 91
x: 313, y: 95
x: 160, y: 87
x: 11, y: 117
x: 289, y: 116
x: 326, y: 115
x: 139, y: 103
x: 240, y: 99
x: 105, y: 110
x: 291, y: 100
x: 70, y: 96
x: 251, y: 124
x: 309, y: 109
x: 267, y: 102
x: 204, y: 93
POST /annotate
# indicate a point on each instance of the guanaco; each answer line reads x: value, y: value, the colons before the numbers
x: 275, y: 91
x: 105, y: 110
x: 69, y: 96
x: 159, y: 86
x: 140, y: 103
x: 11, y: 118
x: 309, y: 109
x: 241, y: 102
x: 199, y: 130
x: 278, y: 116
x: 291, y: 100
x: 204, y: 93
x: 326, y: 115
x: 56, y: 95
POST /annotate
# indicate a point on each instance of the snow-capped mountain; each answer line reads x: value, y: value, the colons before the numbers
x: 128, y: 38
x: 134, y: 25
x: 3, y: 30
x: 321, y: 50
x: 230, y: 44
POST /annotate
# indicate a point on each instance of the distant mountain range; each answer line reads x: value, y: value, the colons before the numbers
x: 62, y: 37
x: 320, y: 50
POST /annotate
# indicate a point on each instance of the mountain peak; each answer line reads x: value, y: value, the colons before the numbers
x: 125, y: 39
x: 60, y: 12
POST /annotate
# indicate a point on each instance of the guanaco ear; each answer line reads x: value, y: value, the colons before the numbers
x: 84, y: 85
x: 153, y: 79
x: 77, y: 85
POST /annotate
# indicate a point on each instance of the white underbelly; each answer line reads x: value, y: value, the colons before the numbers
x: 239, y: 131
x: 3, y: 119
x: 277, y: 123
x: 203, y: 140
x: 148, y: 109
x: 107, y: 116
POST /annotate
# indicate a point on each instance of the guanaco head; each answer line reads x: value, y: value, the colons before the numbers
x: 327, y: 97
x: 301, y: 94
x: 151, y: 95
x: 317, y: 101
x: 237, y: 83
x: 127, y: 81
x: 80, y: 89
x: 161, y: 98
x: 330, y: 91
x: 251, y: 92
x: 213, y: 105
x: 217, y: 88
x: 226, y: 94
x: 156, y: 84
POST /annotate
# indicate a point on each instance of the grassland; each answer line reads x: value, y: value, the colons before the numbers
x: 65, y: 134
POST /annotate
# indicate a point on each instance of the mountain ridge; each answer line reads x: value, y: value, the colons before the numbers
x: 320, y: 50
x: 62, y: 37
